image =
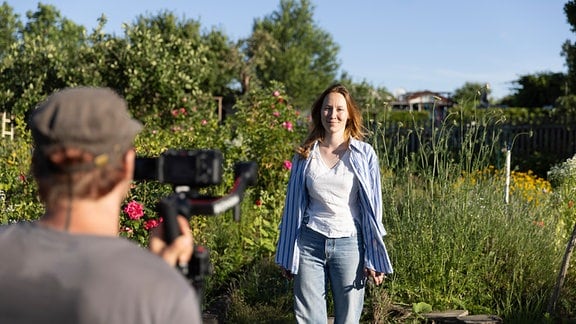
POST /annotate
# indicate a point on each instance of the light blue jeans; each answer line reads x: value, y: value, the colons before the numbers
x: 340, y: 263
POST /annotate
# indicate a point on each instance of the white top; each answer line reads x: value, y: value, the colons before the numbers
x: 366, y: 167
x: 333, y: 192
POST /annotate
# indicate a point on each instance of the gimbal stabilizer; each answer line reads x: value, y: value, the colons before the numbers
x: 187, y: 202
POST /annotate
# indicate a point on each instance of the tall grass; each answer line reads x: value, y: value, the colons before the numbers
x: 453, y: 241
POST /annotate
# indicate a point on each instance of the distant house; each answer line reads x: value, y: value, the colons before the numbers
x: 437, y: 103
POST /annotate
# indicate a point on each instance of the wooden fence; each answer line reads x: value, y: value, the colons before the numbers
x: 7, y: 126
x: 534, y: 146
x: 559, y: 140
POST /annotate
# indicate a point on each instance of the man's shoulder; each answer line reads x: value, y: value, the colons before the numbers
x: 101, y: 254
x: 19, y: 228
x: 98, y: 268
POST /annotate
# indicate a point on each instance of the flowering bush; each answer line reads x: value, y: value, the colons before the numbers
x: 265, y: 122
x: 136, y: 222
x: 264, y: 129
x: 563, y: 173
x: 563, y: 179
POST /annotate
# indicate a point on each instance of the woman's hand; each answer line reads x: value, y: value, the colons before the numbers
x: 287, y: 274
x: 177, y: 253
x: 377, y: 277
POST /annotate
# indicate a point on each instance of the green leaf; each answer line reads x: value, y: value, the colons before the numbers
x: 421, y: 307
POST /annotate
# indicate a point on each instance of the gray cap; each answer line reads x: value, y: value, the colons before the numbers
x: 95, y: 120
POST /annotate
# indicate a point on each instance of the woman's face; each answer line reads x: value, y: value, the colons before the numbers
x: 334, y: 113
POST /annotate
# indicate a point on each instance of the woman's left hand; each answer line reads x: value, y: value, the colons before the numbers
x: 377, y: 277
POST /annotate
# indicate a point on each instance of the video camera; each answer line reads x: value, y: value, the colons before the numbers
x: 197, y: 168
x: 187, y: 171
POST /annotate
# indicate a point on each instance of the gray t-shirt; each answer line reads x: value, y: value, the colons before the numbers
x: 49, y: 276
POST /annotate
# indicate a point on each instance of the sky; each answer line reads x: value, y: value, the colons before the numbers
x: 401, y: 45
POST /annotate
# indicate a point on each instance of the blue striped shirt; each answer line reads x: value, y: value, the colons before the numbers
x: 367, y: 169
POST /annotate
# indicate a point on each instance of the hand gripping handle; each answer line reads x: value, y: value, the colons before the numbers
x: 168, y: 209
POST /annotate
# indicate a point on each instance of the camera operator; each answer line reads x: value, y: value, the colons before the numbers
x: 70, y: 266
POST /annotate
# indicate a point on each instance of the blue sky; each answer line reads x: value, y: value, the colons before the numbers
x: 398, y: 44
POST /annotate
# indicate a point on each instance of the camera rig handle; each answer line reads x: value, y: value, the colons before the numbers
x: 181, y: 203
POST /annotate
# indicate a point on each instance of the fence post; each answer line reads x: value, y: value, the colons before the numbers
x: 7, y: 123
x: 507, y: 188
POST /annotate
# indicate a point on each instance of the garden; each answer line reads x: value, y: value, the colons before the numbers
x: 464, y: 231
x: 454, y: 240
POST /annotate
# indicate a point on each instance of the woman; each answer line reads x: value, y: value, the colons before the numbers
x: 331, y: 229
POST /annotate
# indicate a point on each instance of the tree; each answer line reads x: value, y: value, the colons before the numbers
x: 44, y: 58
x: 225, y: 60
x: 299, y: 54
x: 538, y: 90
x: 569, y: 48
x: 9, y: 27
x: 159, y: 65
x: 472, y: 94
x: 368, y: 97
x: 258, y: 49
x: 188, y: 63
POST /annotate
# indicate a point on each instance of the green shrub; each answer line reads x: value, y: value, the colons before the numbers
x: 18, y: 193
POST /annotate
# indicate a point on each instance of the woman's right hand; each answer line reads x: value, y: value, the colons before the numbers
x: 287, y: 274
x: 377, y: 277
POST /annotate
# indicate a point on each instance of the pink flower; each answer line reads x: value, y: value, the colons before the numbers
x: 276, y: 93
x: 204, y: 122
x: 287, y: 165
x: 174, y: 112
x: 287, y: 125
x: 276, y: 114
x: 183, y: 111
x: 134, y: 210
x: 152, y: 223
